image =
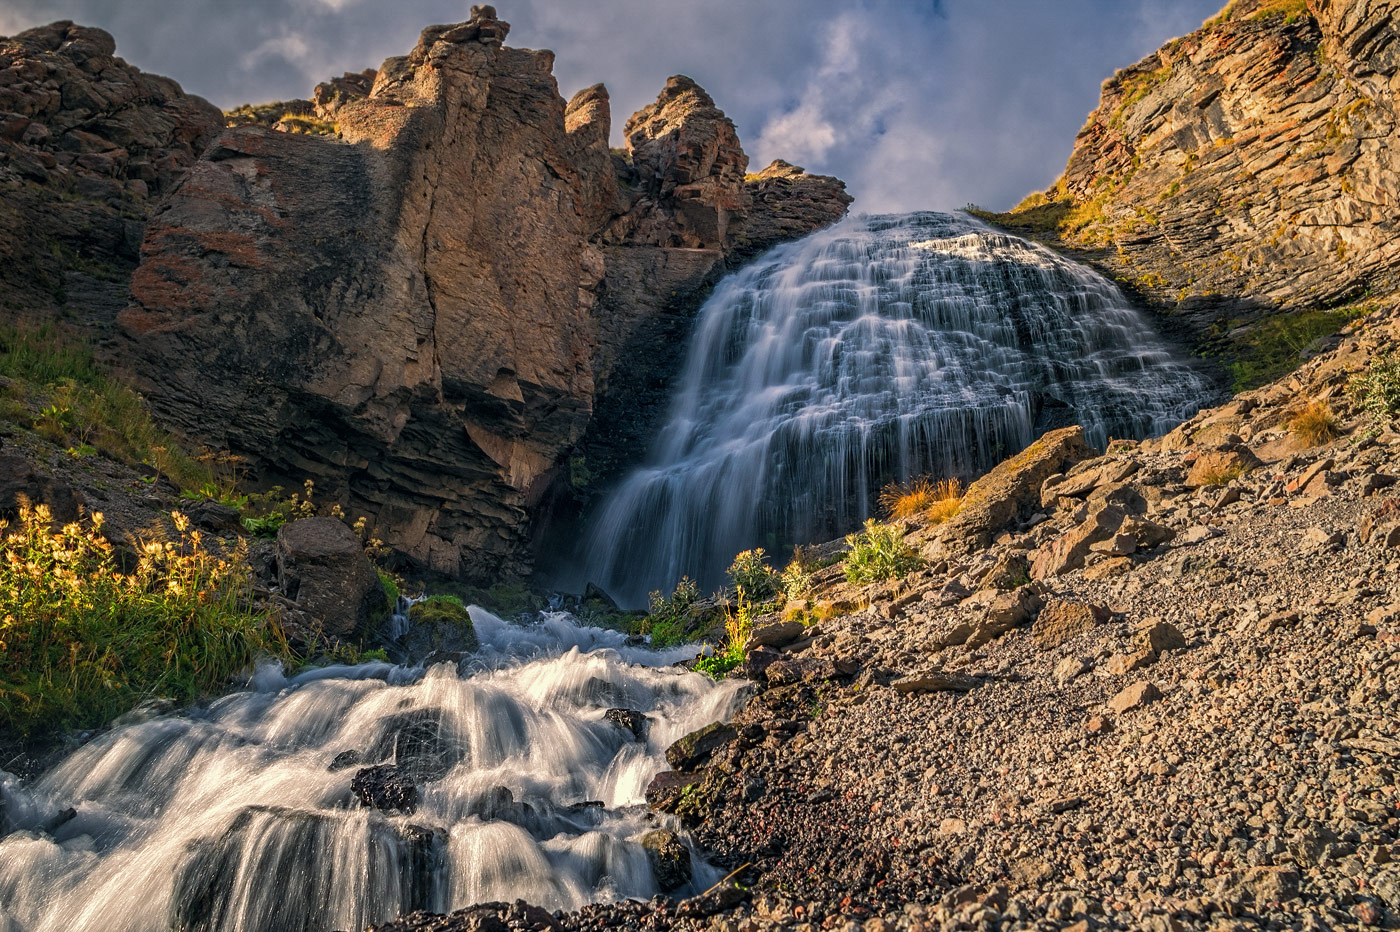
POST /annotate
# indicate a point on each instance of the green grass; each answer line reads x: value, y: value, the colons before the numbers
x: 58, y: 390
x: 83, y: 640
x: 1271, y: 348
x: 1377, y: 390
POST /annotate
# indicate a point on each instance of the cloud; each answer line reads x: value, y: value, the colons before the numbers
x: 914, y: 104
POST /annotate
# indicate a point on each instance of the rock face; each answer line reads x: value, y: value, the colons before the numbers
x: 1245, y: 167
x: 425, y: 313
x: 87, y: 143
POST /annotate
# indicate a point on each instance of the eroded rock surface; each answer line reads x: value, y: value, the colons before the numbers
x: 427, y: 312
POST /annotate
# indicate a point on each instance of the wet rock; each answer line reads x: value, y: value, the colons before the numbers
x: 422, y: 743
x: 345, y: 760
x: 629, y: 720
x: 695, y: 748
x: 669, y: 858
x: 386, y: 788
x: 665, y: 790
x: 438, y: 625
x: 323, y: 571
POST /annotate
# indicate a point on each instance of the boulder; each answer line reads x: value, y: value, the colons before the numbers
x: 1008, y: 610
x: 629, y: 720
x: 385, y: 788
x: 1159, y: 637
x: 775, y: 634
x: 1135, y: 697
x: 22, y: 483
x: 322, y: 570
x: 1062, y: 620
x: 1068, y: 551
x: 1012, y: 489
x: 438, y: 625
x: 1217, y: 467
x: 422, y: 743
x: 669, y: 859
x: 666, y: 789
x: 695, y: 748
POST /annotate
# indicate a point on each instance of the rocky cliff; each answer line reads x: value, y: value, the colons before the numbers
x: 427, y: 303
x: 87, y: 145
x: 1247, y: 167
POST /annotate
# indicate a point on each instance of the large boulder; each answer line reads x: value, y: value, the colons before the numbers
x: 323, y: 571
x: 21, y: 483
x: 1012, y: 489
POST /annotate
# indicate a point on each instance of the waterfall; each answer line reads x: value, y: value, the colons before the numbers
x: 241, y: 818
x: 883, y: 348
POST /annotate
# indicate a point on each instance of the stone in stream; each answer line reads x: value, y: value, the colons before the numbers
x: 669, y: 858
x: 386, y: 788
x: 422, y: 743
x: 629, y: 720
x: 695, y: 748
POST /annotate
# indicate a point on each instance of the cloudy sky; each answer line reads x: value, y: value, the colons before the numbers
x: 916, y: 103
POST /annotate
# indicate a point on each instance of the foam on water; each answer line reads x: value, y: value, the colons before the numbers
x: 230, y: 818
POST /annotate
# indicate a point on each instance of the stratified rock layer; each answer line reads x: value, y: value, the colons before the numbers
x: 424, y: 313
x: 1248, y: 166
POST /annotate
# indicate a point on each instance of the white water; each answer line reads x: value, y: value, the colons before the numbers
x: 229, y: 818
x: 878, y: 350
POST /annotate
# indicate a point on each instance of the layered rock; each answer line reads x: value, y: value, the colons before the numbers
x: 1246, y: 167
x: 424, y: 312
x: 87, y: 143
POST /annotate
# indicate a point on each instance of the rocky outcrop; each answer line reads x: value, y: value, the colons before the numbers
x: 87, y: 143
x: 425, y: 312
x: 1246, y: 167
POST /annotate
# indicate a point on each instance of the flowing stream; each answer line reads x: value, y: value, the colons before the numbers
x: 881, y: 349
x: 241, y: 818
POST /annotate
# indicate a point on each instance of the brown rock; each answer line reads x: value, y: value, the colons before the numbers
x: 1158, y: 637
x: 1063, y: 619
x: 1218, y: 467
x: 1067, y: 552
x: 1134, y: 697
x: 1120, y: 664
x: 1008, y: 492
x: 1008, y: 610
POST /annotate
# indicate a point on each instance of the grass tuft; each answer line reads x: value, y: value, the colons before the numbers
x: 937, y: 501
x: 1315, y: 424
x: 879, y: 553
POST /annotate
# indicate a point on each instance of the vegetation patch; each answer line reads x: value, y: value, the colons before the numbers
x: 753, y: 578
x: 1271, y: 348
x: 440, y: 609
x: 666, y: 622
x: 83, y: 640
x: 936, y: 501
x: 53, y: 386
x: 1315, y: 424
x: 878, y: 553
x: 1377, y: 389
x: 738, y: 627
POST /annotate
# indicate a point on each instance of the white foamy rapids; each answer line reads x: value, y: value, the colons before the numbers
x: 878, y: 350
x: 232, y: 818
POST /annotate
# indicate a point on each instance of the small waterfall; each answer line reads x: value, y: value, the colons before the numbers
x: 240, y: 817
x: 883, y: 348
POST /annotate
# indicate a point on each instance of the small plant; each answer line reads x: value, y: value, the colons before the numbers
x: 879, y: 553
x: 753, y: 577
x: 796, y: 579
x: 1315, y: 424
x: 1221, y: 475
x: 273, y: 512
x: 84, y: 639
x: 391, y: 590
x: 738, y: 627
x: 1377, y: 390
x: 665, y: 621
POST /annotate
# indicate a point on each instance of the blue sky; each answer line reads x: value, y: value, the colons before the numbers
x: 915, y: 103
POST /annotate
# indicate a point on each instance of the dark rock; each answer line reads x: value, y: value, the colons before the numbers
x: 214, y: 516
x: 670, y: 859
x: 322, y: 570
x: 438, y: 627
x: 385, y: 788
x: 421, y: 743
x: 22, y: 483
x: 695, y: 748
x: 665, y: 790
x: 629, y: 720
x: 345, y: 760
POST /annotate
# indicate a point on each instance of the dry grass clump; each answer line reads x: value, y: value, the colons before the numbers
x: 937, y: 501
x: 1315, y: 424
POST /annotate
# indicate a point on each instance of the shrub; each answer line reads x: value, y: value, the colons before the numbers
x: 796, y: 579
x: 665, y: 622
x: 879, y: 553
x: 391, y: 590
x: 753, y: 577
x: 1377, y: 390
x: 83, y: 640
x: 1315, y: 424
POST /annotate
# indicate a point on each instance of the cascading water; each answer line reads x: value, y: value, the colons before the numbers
x: 883, y: 348
x: 240, y: 817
